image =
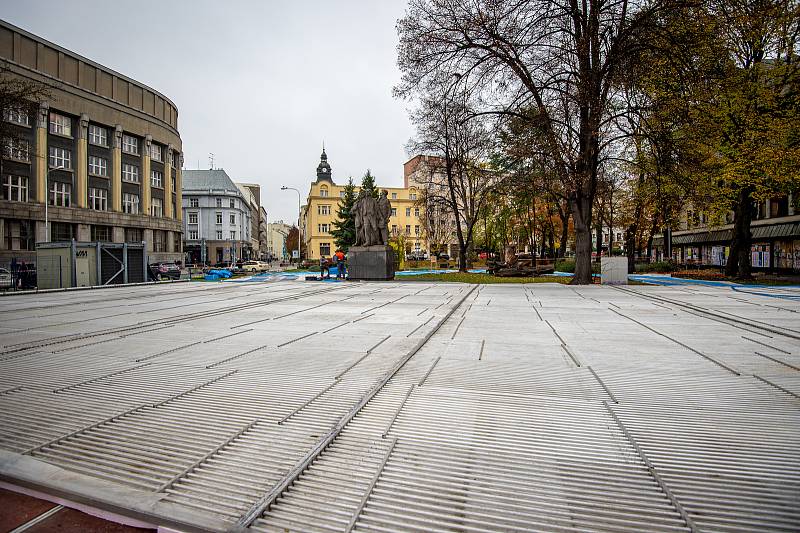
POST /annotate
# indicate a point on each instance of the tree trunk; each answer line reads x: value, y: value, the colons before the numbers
x: 653, y: 229
x: 598, y: 232
x: 739, y: 259
x: 582, y: 217
x: 562, y: 246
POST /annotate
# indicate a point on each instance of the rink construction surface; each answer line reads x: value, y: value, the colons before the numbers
x: 407, y: 406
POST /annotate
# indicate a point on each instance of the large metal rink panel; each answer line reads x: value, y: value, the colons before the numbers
x: 407, y: 406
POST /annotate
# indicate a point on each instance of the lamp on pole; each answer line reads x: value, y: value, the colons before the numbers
x: 47, y: 201
x: 299, y: 223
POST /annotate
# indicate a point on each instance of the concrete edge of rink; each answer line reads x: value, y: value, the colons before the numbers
x: 101, y: 498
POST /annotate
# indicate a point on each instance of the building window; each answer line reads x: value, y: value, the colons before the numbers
x: 60, y: 125
x: 15, y: 188
x: 98, y: 166
x: 193, y: 235
x: 192, y: 218
x: 394, y: 196
x: 416, y: 211
x: 233, y: 204
x: 412, y: 196
x: 394, y: 211
x: 155, y: 152
x: 98, y: 199
x: 176, y: 159
x: 156, y: 179
x: 219, y: 234
x: 19, y: 150
x: 98, y: 135
x: 416, y: 230
x: 17, y: 115
x: 159, y: 241
x: 219, y: 204
x: 323, y: 228
x: 60, y: 158
x: 60, y: 194
x: 324, y: 249
x: 408, y: 230
x: 130, y: 173
x: 323, y: 192
x: 130, y: 144
x: 408, y: 211
x: 133, y: 235
x: 61, y: 231
x: 172, y: 181
x: 341, y: 194
x: 324, y: 209
x: 394, y: 229
x: 130, y: 203
x: 156, y: 207
x: 233, y: 235
x: 233, y: 218
x: 219, y: 217
x: 101, y: 233
x: 194, y: 202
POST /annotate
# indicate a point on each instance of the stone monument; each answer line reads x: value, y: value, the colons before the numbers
x: 371, y: 258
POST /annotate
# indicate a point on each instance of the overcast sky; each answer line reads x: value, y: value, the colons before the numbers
x: 261, y: 84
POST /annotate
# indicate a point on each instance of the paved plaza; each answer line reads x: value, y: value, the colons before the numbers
x: 407, y: 406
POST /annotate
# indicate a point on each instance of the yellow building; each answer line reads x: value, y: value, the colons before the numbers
x: 322, y: 206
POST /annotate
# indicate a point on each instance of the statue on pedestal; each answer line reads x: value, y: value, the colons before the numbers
x: 372, y: 219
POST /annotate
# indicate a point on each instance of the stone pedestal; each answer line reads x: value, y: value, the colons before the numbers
x: 614, y: 270
x: 370, y: 263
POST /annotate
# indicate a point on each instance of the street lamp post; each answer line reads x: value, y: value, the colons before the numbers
x: 299, y: 223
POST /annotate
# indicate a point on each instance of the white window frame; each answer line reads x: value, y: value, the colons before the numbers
x: 60, y: 124
x: 194, y: 202
x: 60, y: 194
x: 19, y: 150
x: 324, y: 209
x: 233, y: 218
x: 130, y: 173
x: 60, y: 155
x: 157, y: 179
x: 193, y: 235
x: 15, y: 188
x: 323, y: 192
x: 98, y: 166
x: 17, y: 115
x: 156, y: 152
x: 233, y: 204
x: 98, y: 135
x: 130, y: 144
x: 156, y: 207
x: 233, y: 234
x: 130, y: 203
x: 98, y: 199
x: 219, y: 234
x: 408, y: 211
x: 193, y: 218
x: 219, y: 202
x: 219, y: 218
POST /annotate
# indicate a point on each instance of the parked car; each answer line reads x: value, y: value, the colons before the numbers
x: 163, y: 270
x: 252, y: 266
x: 263, y: 265
x: 443, y: 257
x: 5, y: 279
x: 417, y: 255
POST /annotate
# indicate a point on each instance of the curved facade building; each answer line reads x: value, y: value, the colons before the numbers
x: 103, y: 152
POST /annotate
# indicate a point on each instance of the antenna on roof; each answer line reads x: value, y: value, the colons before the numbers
x: 211, y: 161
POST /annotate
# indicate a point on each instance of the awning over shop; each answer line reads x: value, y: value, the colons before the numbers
x: 787, y: 230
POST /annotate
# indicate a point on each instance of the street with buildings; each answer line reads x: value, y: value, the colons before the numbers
x: 586, y: 315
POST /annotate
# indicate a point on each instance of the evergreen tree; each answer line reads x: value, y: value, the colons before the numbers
x: 368, y: 185
x: 345, y: 224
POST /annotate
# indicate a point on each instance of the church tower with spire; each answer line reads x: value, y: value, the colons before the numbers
x: 324, y: 169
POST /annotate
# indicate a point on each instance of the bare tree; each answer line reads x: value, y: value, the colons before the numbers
x: 460, y: 179
x: 559, y: 58
x: 438, y: 222
x: 19, y: 99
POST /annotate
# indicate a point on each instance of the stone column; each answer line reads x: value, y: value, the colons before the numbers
x: 118, y: 235
x: 42, y: 158
x: 145, y: 201
x: 147, y: 235
x: 116, y: 171
x: 170, y: 244
x: 178, y: 191
x: 84, y: 233
x: 81, y: 170
x: 168, y: 183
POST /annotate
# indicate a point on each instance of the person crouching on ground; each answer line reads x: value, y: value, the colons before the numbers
x: 324, y: 268
x: 339, y: 257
